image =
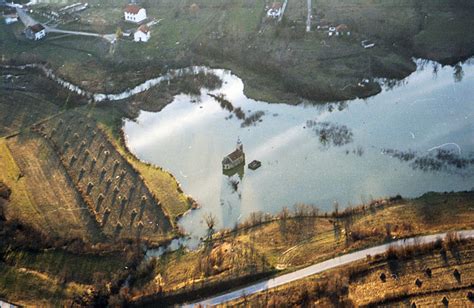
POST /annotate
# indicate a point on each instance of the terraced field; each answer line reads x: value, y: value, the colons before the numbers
x: 114, y: 192
x: 48, y: 199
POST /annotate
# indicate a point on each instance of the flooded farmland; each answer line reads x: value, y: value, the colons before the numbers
x: 415, y: 136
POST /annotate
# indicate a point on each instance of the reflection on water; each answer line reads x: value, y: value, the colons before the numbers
x: 427, y: 110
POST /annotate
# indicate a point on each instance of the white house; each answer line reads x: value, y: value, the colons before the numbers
x: 235, y: 158
x: 35, y: 32
x: 142, y: 34
x: 134, y: 13
x: 10, y: 18
x: 275, y: 10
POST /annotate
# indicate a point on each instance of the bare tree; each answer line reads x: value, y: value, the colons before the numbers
x: 210, y: 220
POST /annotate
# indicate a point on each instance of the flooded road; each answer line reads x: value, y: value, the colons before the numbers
x: 413, y: 138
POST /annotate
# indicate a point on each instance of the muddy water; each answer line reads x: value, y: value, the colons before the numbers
x: 413, y: 138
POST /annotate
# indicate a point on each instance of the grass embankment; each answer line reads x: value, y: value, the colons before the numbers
x: 55, y: 277
x: 26, y: 97
x: 295, y: 242
x: 422, y: 275
x: 30, y: 288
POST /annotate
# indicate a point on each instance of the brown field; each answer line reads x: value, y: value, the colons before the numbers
x: 42, y: 194
x: 113, y: 190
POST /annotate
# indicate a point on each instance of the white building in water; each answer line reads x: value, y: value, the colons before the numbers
x: 235, y: 158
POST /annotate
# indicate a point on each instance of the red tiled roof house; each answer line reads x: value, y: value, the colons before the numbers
x: 134, y: 13
x: 142, y: 34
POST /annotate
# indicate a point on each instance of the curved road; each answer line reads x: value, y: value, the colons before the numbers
x: 321, y: 267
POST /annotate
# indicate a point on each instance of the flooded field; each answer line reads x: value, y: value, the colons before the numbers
x: 416, y: 136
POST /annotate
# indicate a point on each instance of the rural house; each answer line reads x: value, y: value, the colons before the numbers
x: 342, y: 29
x: 235, y: 158
x: 10, y: 18
x: 142, y: 34
x: 35, y: 32
x: 275, y: 10
x: 134, y: 13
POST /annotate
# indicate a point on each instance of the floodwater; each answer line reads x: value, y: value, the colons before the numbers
x: 412, y: 138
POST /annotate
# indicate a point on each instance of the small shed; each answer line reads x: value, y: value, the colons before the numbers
x: 255, y: 164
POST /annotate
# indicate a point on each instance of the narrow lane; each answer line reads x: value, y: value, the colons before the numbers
x: 27, y: 20
x: 308, y: 19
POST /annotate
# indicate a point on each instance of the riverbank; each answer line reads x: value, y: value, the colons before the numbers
x: 283, y: 244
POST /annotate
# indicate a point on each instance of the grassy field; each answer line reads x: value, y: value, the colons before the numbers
x: 30, y: 288
x: 55, y: 277
x: 80, y: 268
x: 278, y: 62
x: 19, y: 110
x: 43, y: 195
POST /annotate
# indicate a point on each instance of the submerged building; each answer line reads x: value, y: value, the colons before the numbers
x: 235, y: 158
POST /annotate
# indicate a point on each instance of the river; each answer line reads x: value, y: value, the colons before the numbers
x: 415, y: 137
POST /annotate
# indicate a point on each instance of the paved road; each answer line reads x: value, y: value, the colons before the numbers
x: 283, y: 9
x: 27, y: 20
x: 320, y: 267
x: 308, y: 19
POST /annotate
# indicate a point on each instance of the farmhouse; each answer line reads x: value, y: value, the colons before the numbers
x: 342, y: 29
x: 10, y: 18
x: 142, y: 34
x: 235, y: 158
x: 275, y: 10
x: 35, y: 32
x: 134, y: 13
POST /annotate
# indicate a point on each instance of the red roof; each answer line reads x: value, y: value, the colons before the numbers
x: 144, y: 29
x: 276, y: 5
x: 36, y: 28
x: 342, y: 27
x: 132, y: 9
